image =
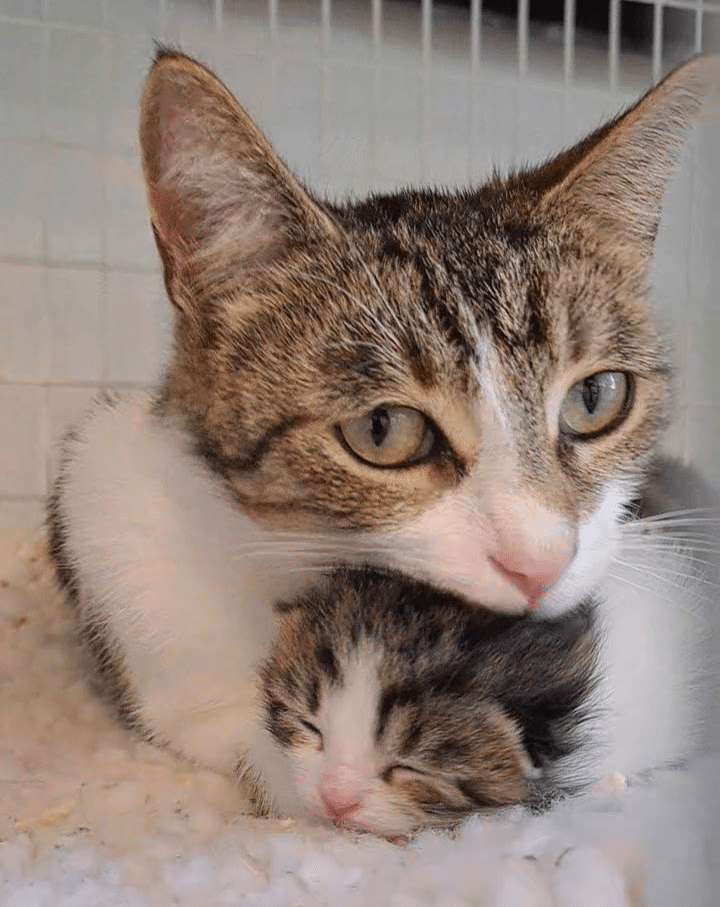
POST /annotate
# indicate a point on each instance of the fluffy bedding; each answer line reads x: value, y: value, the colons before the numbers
x: 90, y: 817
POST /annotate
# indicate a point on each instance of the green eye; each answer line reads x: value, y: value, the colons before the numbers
x: 596, y: 405
x: 389, y: 436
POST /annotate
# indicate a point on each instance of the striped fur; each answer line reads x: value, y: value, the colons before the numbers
x: 458, y: 697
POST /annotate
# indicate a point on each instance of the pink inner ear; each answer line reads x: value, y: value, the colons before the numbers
x: 176, y: 221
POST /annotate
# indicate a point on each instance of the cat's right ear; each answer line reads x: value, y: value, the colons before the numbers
x: 221, y: 200
x: 617, y: 177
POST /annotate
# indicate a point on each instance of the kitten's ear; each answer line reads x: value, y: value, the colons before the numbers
x: 617, y: 177
x: 220, y: 199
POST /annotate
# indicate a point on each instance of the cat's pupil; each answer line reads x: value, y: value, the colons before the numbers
x: 591, y: 393
x: 380, y: 424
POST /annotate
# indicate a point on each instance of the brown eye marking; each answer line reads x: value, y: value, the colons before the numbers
x: 475, y: 796
x: 427, y: 796
x: 313, y: 696
x: 279, y: 722
x: 327, y: 661
x: 394, y: 698
x: 411, y: 739
x: 309, y: 726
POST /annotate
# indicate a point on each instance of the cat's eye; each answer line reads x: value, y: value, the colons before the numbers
x: 389, y: 436
x: 314, y: 731
x: 596, y: 405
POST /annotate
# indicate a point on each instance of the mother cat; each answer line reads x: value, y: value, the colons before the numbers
x: 467, y: 386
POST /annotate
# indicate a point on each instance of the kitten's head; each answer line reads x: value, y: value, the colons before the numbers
x: 399, y: 707
x: 466, y: 384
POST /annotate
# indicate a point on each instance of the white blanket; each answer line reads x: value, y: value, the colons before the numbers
x: 89, y: 817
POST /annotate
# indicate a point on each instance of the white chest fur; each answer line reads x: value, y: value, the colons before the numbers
x: 171, y: 570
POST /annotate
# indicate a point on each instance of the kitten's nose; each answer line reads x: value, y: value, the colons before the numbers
x: 341, y: 794
x: 534, y: 577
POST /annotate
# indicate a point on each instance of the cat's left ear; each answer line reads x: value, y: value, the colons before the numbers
x: 618, y: 176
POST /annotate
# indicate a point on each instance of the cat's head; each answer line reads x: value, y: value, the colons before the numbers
x: 399, y: 707
x: 467, y: 385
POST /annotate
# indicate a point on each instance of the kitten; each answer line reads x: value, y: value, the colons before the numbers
x: 466, y: 386
x: 390, y: 706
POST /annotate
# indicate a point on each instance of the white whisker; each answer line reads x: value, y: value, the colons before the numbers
x: 654, y: 522
x: 684, y: 554
x: 674, y: 513
x: 669, y: 571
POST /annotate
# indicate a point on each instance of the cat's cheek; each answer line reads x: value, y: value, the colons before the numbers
x: 599, y: 543
x: 307, y: 774
x: 385, y: 820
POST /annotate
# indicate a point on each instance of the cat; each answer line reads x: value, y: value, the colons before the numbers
x: 466, y: 386
x: 391, y: 706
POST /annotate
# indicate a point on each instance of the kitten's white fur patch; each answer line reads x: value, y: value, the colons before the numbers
x: 348, y: 759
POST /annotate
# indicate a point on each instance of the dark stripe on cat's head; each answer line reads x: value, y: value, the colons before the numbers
x: 328, y: 663
x: 396, y: 697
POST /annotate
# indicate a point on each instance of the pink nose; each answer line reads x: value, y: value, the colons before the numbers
x: 340, y: 794
x: 533, y: 578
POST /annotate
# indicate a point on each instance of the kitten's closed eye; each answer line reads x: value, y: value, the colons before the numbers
x: 315, y: 732
x: 399, y: 769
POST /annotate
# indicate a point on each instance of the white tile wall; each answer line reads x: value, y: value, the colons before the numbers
x: 75, y: 300
x: 23, y: 198
x: 23, y: 453
x: 353, y: 102
x: 23, y: 56
x: 137, y: 327
x: 25, y: 337
x: 76, y: 86
x: 75, y: 206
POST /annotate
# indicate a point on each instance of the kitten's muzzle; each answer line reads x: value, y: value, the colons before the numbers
x: 341, y: 793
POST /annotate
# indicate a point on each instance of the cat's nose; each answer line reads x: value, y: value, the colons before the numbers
x: 341, y: 794
x: 534, y: 577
